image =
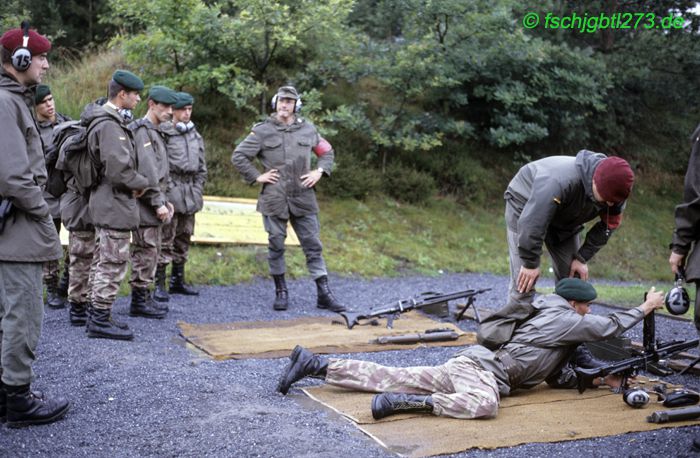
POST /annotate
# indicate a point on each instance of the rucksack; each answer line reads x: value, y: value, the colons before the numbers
x: 74, y: 160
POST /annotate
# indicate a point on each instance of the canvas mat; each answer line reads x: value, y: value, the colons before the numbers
x: 538, y: 415
x: 277, y: 338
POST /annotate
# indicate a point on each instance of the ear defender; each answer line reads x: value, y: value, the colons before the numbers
x: 184, y: 128
x: 22, y: 57
x: 297, y: 104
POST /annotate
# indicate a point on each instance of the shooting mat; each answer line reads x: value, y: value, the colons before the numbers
x: 542, y: 414
x: 277, y: 338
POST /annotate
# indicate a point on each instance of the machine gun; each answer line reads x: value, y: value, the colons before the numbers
x: 394, y: 309
x: 650, y: 358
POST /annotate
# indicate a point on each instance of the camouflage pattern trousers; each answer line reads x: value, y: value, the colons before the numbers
x: 145, y: 247
x: 83, y: 258
x: 176, y: 239
x: 112, y: 263
x: 308, y: 230
x: 460, y: 388
x: 51, y: 269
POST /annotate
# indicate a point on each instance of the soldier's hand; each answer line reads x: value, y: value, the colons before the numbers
x: 654, y: 300
x: 579, y: 268
x: 171, y: 210
x: 676, y: 261
x: 310, y: 179
x: 138, y: 193
x: 527, y: 279
x: 271, y: 176
x: 163, y: 212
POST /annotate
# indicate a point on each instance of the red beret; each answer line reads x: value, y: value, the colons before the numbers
x: 37, y: 44
x: 613, y: 179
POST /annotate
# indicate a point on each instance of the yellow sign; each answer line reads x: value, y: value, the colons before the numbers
x: 225, y: 220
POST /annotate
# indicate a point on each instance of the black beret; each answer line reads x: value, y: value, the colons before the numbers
x: 183, y: 99
x: 41, y: 92
x: 162, y: 94
x: 128, y: 80
x: 575, y: 289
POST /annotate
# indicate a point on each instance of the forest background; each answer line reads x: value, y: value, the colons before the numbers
x: 431, y: 106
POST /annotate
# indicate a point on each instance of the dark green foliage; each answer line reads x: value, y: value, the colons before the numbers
x: 352, y: 179
x: 407, y: 184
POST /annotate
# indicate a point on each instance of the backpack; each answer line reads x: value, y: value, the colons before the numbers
x: 498, y: 328
x: 74, y: 160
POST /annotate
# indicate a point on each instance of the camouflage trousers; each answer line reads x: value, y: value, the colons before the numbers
x: 112, y: 264
x: 460, y: 388
x: 145, y: 247
x: 51, y: 269
x: 81, y: 248
x: 308, y: 230
x: 176, y: 239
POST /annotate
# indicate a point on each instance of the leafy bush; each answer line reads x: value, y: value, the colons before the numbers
x: 408, y: 185
x: 352, y: 179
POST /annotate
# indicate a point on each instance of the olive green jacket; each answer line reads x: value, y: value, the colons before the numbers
x: 153, y: 164
x: 287, y: 148
x: 188, y: 168
x: 29, y: 234
x: 46, y: 132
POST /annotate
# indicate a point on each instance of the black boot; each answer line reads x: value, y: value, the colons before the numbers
x: 26, y: 408
x: 161, y: 294
x: 101, y: 325
x: 281, y: 295
x: 63, y: 283
x: 53, y: 298
x: 3, y: 403
x: 386, y: 404
x: 302, y: 364
x: 142, y: 305
x: 78, y: 313
x: 177, y: 281
x: 326, y: 300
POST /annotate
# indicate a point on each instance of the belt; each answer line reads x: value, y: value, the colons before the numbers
x: 510, y: 366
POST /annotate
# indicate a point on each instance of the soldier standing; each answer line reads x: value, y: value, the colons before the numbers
x: 28, y: 236
x: 284, y: 143
x: 47, y: 118
x: 154, y: 208
x: 113, y: 201
x: 188, y: 173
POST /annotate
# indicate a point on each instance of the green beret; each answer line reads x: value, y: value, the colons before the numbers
x: 162, y: 94
x: 42, y: 91
x: 575, y: 289
x: 128, y: 80
x: 183, y: 99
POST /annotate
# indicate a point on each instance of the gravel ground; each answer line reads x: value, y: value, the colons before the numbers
x: 157, y: 397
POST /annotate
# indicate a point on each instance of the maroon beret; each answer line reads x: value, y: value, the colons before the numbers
x: 37, y: 44
x: 613, y: 179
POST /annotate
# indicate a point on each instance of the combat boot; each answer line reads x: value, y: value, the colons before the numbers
x: 281, y: 295
x: 161, y: 294
x: 62, y: 289
x: 3, y: 403
x: 142, y: 305
x: 78, y: 313
x: 326, y: 300
x: 53, y: 298
x: 303, y: 363
x: 177, y: 281
x: 101, y: 325
x: 26, y: 408
x: 385, y: 404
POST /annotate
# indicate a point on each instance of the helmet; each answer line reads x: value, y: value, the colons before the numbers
x: 677, y: 300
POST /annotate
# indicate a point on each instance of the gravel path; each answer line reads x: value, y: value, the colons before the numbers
x: 156, y: 397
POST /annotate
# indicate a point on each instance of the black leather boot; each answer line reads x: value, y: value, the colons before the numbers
x: 326, y: 300
x: 101, y: 325
x: 78, y: 313
x: 142, y: 305
x: 3, y: 403
x: 26, y: 408
x: 53, y: 298
x: 303, y: 363
x: 385, y: 404
x: 63, y: 282
x: 177, y: 281
x: 161, y: 294
x: 281, y: 295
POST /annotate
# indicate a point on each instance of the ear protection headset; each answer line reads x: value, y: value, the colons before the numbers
x: 184, y: 128
x: 22, y: 56
x: 297, y: 104
x: 126, y: 114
